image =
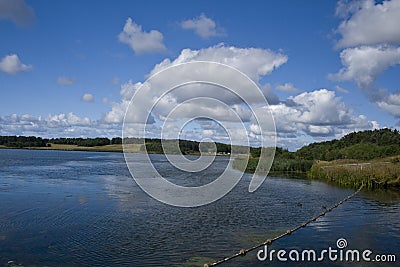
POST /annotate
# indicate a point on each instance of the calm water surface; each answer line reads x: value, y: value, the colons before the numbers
x: 60, y: 208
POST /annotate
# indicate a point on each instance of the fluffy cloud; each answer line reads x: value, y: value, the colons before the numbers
x: 51, y: 126
x: 65, y: 81
x: 117, y: 113
x: 11, y: 64
x: 317, y: 113
x: 17, y: 11
x: 371, y: 38
x: 391, y: 103
x: 254, y: 62
x: 364, y: 64
x: 287, y: 87
x: 139, y: 40
x: 202, y: 26
x: 369, y: 23
x: 66, y: 120
x: 312, y: 116
x: 56, y: 125
x: 87, y: 98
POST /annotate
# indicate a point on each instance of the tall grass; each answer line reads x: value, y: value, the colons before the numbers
x: 279, y: 165
x: 372, y: 175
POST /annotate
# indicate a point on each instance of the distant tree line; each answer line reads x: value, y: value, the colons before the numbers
x: 185, y: 146
x: 23, y: 141
x: 32, y: 141
x: 282, y: 153
x: 87, y: 142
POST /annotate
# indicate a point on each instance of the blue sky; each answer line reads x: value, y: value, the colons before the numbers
x: 64, y: 65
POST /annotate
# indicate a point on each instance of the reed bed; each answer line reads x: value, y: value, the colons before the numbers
x: 373, y: 175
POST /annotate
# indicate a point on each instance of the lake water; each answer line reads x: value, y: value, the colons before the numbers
x: 60, y: 208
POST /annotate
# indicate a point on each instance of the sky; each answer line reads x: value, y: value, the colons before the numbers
x: 327, y: 68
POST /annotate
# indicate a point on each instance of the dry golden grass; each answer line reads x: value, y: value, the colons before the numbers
x: 133, y: 148
x: 378, y: 173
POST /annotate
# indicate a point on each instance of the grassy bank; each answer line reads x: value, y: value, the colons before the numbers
x: 279, y: 165
x: 378, y: 173
x: 383, y: 173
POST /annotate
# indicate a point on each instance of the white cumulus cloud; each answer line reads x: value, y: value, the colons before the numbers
x: 139, y: 40
x: 317, y: 113
x: 254, y: 62
x: 53, y: 125
x: 391, y: 103
x: 369, y: 23
x: 87, y: 97
x: 202, y: 26
x: 370, y: 38
x: 69, y: 119
x: 287, y: 87
x: 117, y: 112
x: 364, y: 64
x: 11, y: 64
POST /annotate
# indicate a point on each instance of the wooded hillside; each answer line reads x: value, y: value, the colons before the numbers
x: 363, y: 145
